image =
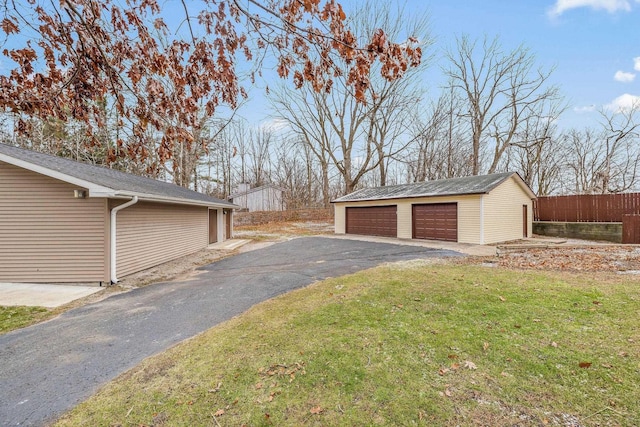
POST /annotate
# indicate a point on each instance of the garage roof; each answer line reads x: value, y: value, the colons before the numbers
x: 480, y: 184
x: 104, y: 182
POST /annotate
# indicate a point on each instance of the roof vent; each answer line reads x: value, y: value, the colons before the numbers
x: 80, y: 194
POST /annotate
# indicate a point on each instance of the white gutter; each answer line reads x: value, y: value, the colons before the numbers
x: 112, y: 258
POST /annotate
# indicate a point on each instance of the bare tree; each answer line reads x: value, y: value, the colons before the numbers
x: 62, y: 58
x: 355, y: 137
x: 606, y: 160
x: 501, y: 90
x: 439, y: 149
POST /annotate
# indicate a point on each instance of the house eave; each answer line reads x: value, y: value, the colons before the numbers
x: 51, y: 173
x: 165, y: 199
x: 96, y: 190
x: 419, y: 196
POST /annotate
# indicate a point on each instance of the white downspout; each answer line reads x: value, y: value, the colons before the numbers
x: 112, y: 259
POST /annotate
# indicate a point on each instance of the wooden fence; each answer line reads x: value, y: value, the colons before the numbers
x: 586, y: 207
x: 631, y: 229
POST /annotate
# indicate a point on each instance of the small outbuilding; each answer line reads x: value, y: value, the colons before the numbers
x: 267, y: 197
x: 482, y: 209
x: 63, y: 221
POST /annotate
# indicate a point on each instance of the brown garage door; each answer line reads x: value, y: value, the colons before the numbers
x: 438, y: 221
x: 372, y: 221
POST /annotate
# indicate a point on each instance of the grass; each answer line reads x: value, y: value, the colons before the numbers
x: 18, y: 317
x: 408, y: 344
x: 278, y: 229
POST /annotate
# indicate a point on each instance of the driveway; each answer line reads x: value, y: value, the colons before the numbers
x: 48, y: 368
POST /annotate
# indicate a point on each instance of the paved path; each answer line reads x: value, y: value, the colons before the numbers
x: 48, y: 368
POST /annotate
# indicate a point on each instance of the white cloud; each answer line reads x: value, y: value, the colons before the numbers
x: 636, y: 63
x: 275, y: 125
x: 623, y: 103
x: 585, y: 109
x: 624, y: 77
x: 610, y: 6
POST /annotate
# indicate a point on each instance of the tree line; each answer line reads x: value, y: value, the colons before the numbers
x: 360, y: 111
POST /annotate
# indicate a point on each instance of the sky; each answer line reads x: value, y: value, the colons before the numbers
x: 594, y: 46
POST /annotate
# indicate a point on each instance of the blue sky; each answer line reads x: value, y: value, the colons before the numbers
x: 591, y: 43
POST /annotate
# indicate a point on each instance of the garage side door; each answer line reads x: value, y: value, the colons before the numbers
x: 372, y: 221
x: 438, y: 221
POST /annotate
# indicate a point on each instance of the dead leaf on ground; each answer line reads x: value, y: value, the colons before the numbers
x: 219, y: 412
x: 316, y: 410
x: 554, y: 344
x: 584, y: 364
x: 503, y: 299
x: 485, y: 346
x: 470, y: 365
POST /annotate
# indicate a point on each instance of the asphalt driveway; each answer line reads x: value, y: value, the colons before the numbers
x: 48, y: 368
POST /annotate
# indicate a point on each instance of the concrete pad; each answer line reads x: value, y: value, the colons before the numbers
x: 465, y: 248
x: 229, y: 245
x: 43, y: 295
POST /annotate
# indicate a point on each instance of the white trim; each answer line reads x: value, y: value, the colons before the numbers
x: 166, y: 199
x: 482, y: 219
x: 221, y: 225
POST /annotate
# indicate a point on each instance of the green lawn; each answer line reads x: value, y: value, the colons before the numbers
x: 17, y: 317
x: 409, y: 344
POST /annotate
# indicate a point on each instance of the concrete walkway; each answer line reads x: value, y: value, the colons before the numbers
x: 43, y: 295
x: 229, y: 245
x: 50, y: 367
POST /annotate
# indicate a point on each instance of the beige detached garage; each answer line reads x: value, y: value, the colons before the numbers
x: 477, y: 209
x: 63, y: 221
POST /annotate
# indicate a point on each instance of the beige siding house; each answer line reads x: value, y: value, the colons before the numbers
x: 63, y: 221
x: 478, y: 209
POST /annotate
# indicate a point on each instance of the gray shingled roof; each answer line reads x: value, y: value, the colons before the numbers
x: 481, y: 184
x: 119, y: 182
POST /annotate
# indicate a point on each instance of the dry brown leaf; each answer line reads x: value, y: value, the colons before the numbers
x: 503, y: 299
x: 316, y: 410
x: 584, y: 365
x: 485, y: 346
x: 219, y: 412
